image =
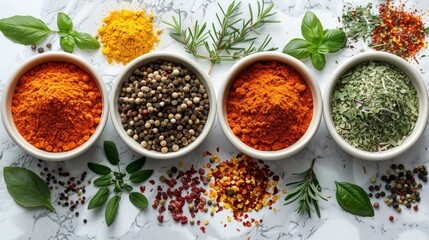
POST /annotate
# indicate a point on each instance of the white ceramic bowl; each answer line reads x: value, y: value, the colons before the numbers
x: 145, y: 59
x: 419, y: 85
x: 224, y: 93
x: 10, y: 89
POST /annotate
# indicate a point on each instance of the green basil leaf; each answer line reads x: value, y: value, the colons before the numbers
x: 26, y: 188
x: 353, y: 199
x: 99, y: 169
x: 312, y: 29
x: 24, y: 30
x: 140, y: 176
x: 67, y: 43
x: 112, y: 210
x: 127, y: 187
x: 135, y: 165
x: 64, y: 22
x: 111, y: 152
x: 427, y: 30
x: 99, y: 198
x: 318, y: 61
x: 138, y: 200
x: 103, y: 181
x: 298, y: 48
x: 117, y: 187
x: 333, y: 40
x: 85, y: 40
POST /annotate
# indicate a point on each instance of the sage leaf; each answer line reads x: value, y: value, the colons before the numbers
x: 99, y: 198
x: 99, y: 169
x: 333, y: 40
x: 311, y: 28
x: 298, y: 48
x: 353, y: 199
x: 140, y: 176
x: 64, y: 22
x: 26, y: 188
x: 135, y: 165
x: 24, y: 30
x: 112, y: 210
x: 67, y: 43
x: 318, y: 61
x: 103, y: 181
x: 138, y: 200
x: 111, y: 152
x: 85, y: 40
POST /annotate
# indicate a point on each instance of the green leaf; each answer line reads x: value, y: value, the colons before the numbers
x: 140, y: 176
x: 333, y: 40
x: 24, y: 30
x: 111, y: 152
x: 99, y: 198
x: 103, y: 181
x: 112, y: 210
x: 85, y: 41
x: 312, y: 29
x: 127, y: 187
x: 353, y: 199
x: 135, y: 165
x: 298, y: 48
x: 318, y: 61
x: 138, y: 200
x: 26, y: 188
x: 67, y: 43
x: 64, y: 22
x: 427, y: 30
x: 99, y: 169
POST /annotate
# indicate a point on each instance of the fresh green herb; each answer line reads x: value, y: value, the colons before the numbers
x: 374, y: 106
x: 28, y: 30
x: 353, y: 199
x: 306, y: 191
x: 316, y: 43
x: 427, y: 30
x: 117, y: 180
x: 226, y: 35
x: 26, y: 188
x: 359, y: 23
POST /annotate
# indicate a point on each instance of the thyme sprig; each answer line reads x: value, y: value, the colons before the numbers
x: 223, y: 42
x: 306, y: 191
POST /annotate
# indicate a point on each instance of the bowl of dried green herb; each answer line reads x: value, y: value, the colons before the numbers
x: 376, y: 106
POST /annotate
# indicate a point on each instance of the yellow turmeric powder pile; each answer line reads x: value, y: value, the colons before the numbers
x: 56, y: 106
x: 126, y: 35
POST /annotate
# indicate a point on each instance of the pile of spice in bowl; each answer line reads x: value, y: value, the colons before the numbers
x: 270, y: 106
x: 161, y: 105
x: 376, y: 106
x: 55, y: 106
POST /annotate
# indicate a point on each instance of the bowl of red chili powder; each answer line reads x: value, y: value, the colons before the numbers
x: 55, y: 106
x: 269, y: 106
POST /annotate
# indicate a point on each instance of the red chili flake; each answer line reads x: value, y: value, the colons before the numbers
x: 203, y: 229
x: 217, y: 149
x: 238, y: 230
x: 391, y: 218
x: 160, y: 218
x: 152, y: 181
x: 198, y: 222
x: 416, y: 208
x: 224, y: 225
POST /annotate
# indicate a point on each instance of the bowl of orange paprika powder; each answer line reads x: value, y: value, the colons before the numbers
x: 55, y: 106
x: 270, y: 106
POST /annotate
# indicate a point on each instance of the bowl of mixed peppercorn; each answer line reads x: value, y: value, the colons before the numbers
x: 376, y: 106
x: 161, y: 105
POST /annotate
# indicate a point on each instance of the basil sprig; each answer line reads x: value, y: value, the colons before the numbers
x: 353, y: 199
x: 26, y: 188
x: 117, y: 180
x: 316, y: 43
x: 29, y: 30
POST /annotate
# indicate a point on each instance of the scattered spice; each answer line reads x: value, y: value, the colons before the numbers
x: 56, y: 106
x: 359, y: 23
x: 391, y: 218
x: 374, y: 106
x: 127, y: 34
x: 269, y: 106
x: 163, y: 106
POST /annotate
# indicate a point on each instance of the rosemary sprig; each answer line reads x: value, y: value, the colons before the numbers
x: 306, y: 191
x: 223, y: 42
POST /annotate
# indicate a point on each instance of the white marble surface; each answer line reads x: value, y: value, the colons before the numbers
x: 332, y: 163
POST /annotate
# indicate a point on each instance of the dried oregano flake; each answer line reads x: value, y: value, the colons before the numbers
x: 374, y: 106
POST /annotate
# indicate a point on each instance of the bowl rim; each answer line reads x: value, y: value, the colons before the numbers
x: 418, y: 84
x: 176, y: 58
x: 8, y: 93
x: 304, y: 71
